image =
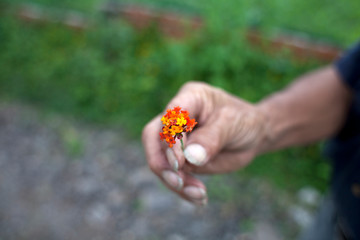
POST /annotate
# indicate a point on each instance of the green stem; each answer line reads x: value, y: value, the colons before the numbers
x: 182, y: 144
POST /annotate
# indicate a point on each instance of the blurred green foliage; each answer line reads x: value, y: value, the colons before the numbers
x: 112, y: 74
x: 327, y: 20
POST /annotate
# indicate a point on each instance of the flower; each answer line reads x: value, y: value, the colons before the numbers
x: 176, y: 122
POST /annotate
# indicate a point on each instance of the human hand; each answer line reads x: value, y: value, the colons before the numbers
x: 229, y: 134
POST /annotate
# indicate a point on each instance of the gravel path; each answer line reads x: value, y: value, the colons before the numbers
x: 64, y: 179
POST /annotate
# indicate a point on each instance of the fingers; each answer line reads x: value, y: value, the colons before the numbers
x: 180, y: 181
x: 215, y: 128
x: 186, y: 98
x: 173, y: 180
x: 193, y: 97
x: 175, y: 155
x: 204, y: 143
x: 154, y: 154
x: 188, y: 188
x: 184, y: 184
x: 194, y: 190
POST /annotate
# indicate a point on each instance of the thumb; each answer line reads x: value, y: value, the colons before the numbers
x: 207, y: 140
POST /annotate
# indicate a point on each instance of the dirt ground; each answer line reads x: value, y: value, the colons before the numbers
x: 65, y: 179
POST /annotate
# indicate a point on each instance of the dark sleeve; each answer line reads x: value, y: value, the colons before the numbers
x: 348, y: 67
x: 345, y: 152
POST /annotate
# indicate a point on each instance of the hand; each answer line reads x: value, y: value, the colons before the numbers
x: 229, y: 134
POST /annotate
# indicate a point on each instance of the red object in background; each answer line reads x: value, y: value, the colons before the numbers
x: 179, y: 26
x: 301, y: 49
x: 170, y: 24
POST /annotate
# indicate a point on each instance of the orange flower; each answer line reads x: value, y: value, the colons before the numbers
x: 176, y: 122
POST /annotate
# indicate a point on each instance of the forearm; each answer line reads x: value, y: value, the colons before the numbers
x: 312, y: 108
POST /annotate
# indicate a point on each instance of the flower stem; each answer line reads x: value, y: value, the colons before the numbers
x: 182, y: 144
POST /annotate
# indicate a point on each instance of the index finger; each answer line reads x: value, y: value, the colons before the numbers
x: 190, y: 98
x: 156, y: 157
x: 154, y: 154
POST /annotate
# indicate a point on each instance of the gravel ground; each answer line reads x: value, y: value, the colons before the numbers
x: 65, y: 179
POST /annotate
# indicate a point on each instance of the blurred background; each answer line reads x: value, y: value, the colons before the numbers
x: 80, y: 79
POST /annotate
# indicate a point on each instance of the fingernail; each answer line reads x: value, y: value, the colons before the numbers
x: 202, y: 202
x: 195, y: 154
x: 172, y: 179
x: 172, y: 159
x: 195, y: 193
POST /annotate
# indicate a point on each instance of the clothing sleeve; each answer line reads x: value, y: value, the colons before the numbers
x: 348, y: 67
x: 344, y: 150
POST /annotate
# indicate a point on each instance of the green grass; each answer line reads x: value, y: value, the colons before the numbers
x: 325, y: 20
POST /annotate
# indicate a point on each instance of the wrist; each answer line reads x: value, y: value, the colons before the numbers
x: 310, y: 109
x: 268, y: 136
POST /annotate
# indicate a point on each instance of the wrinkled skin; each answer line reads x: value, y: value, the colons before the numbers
x: 229, y: 129
x: 231, y: 132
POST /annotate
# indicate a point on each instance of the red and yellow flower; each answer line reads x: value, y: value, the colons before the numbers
x: 176, y: 122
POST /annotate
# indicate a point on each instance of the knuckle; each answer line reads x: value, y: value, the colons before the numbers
x: 156, y: 167
x: 194, y: 85
x: 153, y: 167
